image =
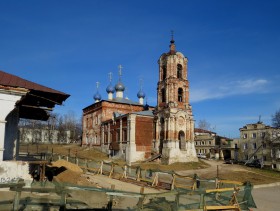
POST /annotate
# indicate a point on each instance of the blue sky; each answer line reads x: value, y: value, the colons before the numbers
x: 233, y: 49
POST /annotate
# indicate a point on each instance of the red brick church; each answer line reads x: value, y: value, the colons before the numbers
x: 134, y: 131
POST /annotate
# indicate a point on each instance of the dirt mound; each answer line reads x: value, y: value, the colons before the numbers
x: 73, y: 177
x: 67, y: 165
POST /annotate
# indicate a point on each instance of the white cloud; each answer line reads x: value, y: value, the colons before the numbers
x: 222, y: 89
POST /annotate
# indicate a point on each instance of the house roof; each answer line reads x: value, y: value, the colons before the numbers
x: 144, y: 113
x: 124, y: 101
x: 199, y: 130
x: 7, y: 79
x: 38, y: 100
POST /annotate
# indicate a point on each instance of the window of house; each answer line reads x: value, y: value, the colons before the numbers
x: 245, y: 135
x: 254, y: 145
x: 209, y: 142
x: 245, y: 146
x: 179, y: 71
x: 180, y: 95
x: 246, y: 157
x: 264, y: 158
x: 255, y: 157
x: 262, y: 134
x: 235, y: 146
x: 264, y: 145
x: 254, y: 135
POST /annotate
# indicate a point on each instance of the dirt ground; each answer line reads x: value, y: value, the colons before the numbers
x: 205, y: 169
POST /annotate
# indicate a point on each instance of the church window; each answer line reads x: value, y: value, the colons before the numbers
x: 180, y: 95
x: 179, y: 71
x: 163, y: 72
x: 124, y: 137
x: 163, y: 95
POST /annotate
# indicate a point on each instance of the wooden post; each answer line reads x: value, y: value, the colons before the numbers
x: 201, y: 204
x: 110, y: 202
x: 100, y: 171
x: 177, y: 202
x: 124, y: 172
x: 155, y: 182
x: 17, y: 195
x: 138, y: 174
x: 77, y: 161
x: 141, y: 199
x: 63, y: 201
x: 112, y: 170
x: 173, y: 182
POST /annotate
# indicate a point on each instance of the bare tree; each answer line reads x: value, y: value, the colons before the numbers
x: 203, y: 124
x: 64, y: 127
x: 276, y: 119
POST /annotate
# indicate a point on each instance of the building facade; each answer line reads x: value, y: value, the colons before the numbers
x: 43, y: 136
x: 212, y: 145
x: 259, y: 141
x: 133, y: 131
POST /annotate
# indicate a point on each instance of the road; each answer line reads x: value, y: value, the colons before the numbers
x: 267, y: 198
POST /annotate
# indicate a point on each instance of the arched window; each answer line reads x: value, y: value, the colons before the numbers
x: 181, y: 137
x: 163, y: 72
x: 180, y: 95
x: 179, y: 71
x: 163, y: 95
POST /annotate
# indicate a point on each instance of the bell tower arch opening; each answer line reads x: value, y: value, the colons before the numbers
x: 163, y: 98
x: 164, y: 72
x: 179, y: 70
x: 180, y: 95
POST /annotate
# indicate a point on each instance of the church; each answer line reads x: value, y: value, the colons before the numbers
x: 136, y: 132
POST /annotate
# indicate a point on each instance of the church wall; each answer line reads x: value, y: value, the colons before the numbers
x: 99, y: 112
x: 144, y: 134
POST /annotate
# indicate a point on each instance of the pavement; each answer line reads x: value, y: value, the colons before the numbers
x: 267, y: 197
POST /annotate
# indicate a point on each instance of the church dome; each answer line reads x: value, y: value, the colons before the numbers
x: 119, y: 87
x: 97, y: 96
x: 141, y: 94
x: 110, y: 89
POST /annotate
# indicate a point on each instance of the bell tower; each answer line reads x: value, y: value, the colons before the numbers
x: 174, y: 124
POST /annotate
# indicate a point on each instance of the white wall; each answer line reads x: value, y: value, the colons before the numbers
x: 8, y: 131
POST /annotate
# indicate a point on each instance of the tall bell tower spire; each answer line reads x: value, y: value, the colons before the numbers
x: 174, y: 136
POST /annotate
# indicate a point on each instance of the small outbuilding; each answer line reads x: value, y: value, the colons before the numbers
x: 20, y: 98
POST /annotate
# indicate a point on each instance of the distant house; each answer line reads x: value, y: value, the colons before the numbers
x: 259, y: 141
x: 20, y: 98
x: 211, y: 144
